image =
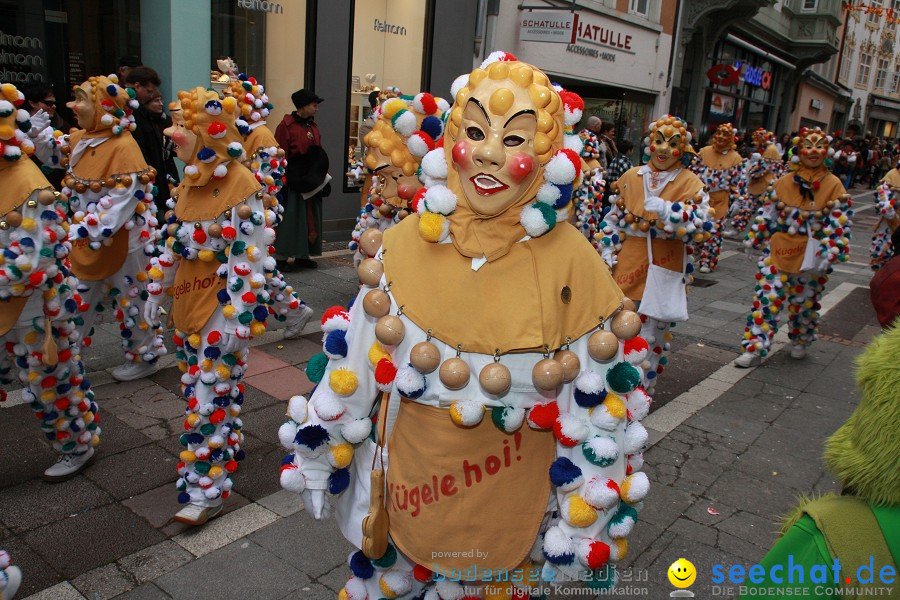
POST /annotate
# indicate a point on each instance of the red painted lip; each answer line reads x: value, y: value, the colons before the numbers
x: 494, y: 184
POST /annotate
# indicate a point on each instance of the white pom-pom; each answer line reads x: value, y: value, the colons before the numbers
x: 601, y: 418
x: 450, y: 590
x: 572, y: 427
x: 417, y: 145
x: 574, y: 143
x: 439, y: 199
x: 635, y: 438
x: 495, y: 56
x: 795, y: 159
x: 557, y: 543
x: 409, y: 381
x: 443, y: 105
x: 638, y: 404
x: 601, y: 492
x: 548, y: 194
x: 590, y: 382
x: 434, y: 164
x: 560, y: 170
x: 6, y: 106
x: 513, y: 419
x: 458, y: 84
x: 357, y: 430
x: 106, y: 120
x: 468, y: 412
x: 298, y: 409
x: 327, y: 405
x: 355, y: 589
x: 572, y: 116
x: 635, y: 487
x: 337, y: 321
x: 292, y: 479
x: 533, y: 221
x: 286, y: 434
x: 635, y: 462
x: 405, y: 123
x: 220, y: 171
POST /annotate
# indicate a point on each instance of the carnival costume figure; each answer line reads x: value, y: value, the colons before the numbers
x: 721, y: 169
x: 10, y: 576
x: 659, y: 213
x: 887, y: 205
x: 213, y: 265
x: 266, y: 161
x: 462, y: 307
x: 589, y: 195
x: 406, y: 129
x: 802, y: 230
x: 113, y: 224
x: 763, y: 167
x: 37, y: 302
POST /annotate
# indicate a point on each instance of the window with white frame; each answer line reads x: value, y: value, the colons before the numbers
x: 810, y: 5
x: 895, y: 83
x: 872, y: 19
x: 639, y: 7
x: 862, y: 73
x: 881, y: 73
x: 846, y: 59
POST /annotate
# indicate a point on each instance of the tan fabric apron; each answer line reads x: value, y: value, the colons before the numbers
x: 632, y: 264
x: 458, y: 496
x: 194, y: 294
x: 788, y: 250
x: 97, y: 265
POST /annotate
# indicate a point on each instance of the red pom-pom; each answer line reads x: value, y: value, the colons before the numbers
x: 571, y: 100
x: 248, y: 297
x: 421, y: 573
x: 231, y: 466
x: 428, y: 103
x: 216, y: 128
x: 199, y: 236
x: 37, y: 278
x: 214, y: 337
x: 418, y: 197
x: 229, y: 233
x: 217, y: 417
x: 335, y: 311
x: 385, y: 371
x: 598, y: 555
x: 573, y: 158
x: 543, y: 416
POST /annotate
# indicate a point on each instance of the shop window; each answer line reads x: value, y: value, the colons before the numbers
x: 639, y: 7
x: 238, y: 33
x: 388, y: 42
x: 862, y: 73
x: 881, y: 73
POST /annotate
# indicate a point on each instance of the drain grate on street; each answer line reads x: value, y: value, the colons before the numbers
x: 703, y: 283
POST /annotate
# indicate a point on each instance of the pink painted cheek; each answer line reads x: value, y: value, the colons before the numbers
x: 462, y: 154
x: 520, y: 166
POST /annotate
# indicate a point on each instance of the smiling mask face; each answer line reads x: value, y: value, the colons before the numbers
x: 813, y: 150
x: 668, y: 139
x: 723, y: 140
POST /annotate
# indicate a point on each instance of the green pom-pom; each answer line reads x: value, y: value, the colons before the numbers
x: 623, y: 378
x: 547, y: 212
x: 387, y: 561
x: 315, y: 369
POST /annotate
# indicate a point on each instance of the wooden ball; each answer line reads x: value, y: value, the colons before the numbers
x: 495, y: 379
x: 144, y: 178
x: 628, y: 304
x: 46, y: 197
x: 626, y: 324
x: 570, y: 362
x: 96, y: 186
x: 370, y: 241
x: 14, y: 218
x: 425, y: 357
x: 214, y: 230
x: 644, y: 226
x: 603, y: 345
x: 390, y: 330
x: 80, y: 188
x: 454, y: 374
x: 69, y: 182
x: 127, y: 180
x: 402, y: 214
x: 377, y: 303
x: 547, y: 374
x: 386, y: 210
x: 244, y: 212
x: 370, y: 271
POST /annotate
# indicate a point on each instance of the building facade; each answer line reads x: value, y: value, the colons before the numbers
x: 615, y: 53
x: 742, y: 61
x: 343, y: 49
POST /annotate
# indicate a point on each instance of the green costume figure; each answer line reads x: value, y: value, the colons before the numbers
x: 861, y: 527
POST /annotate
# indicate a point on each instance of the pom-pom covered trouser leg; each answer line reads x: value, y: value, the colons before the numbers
x: 768, y: 302
x: 745, y: 212
x: 881, y: 249
x: 803, y: 306
x: 659, y: 338
x: 284, y: 299
x: 711, y: 248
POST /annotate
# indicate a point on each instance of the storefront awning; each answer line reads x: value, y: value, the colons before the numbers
x: 756, y: 49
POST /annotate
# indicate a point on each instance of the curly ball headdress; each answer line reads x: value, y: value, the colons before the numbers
x: 670, y: 125
x: 726, y: 131
x: 252, y: 98
x: 804, y: 133
x: 113, y: 105
x: 219, y: 133
x: 406, y: 129
x: 14, y: 124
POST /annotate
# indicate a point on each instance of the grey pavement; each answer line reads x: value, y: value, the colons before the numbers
x: 730, y: 451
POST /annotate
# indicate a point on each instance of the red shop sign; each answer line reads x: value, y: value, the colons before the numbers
x: 723, y: 75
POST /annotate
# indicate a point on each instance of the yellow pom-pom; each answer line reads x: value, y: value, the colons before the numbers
x: 223, y: 372
x: 614, y: 406
x: 155, y: 273
x: 229, y: 104
x: 31, y: 337
x: 343, y: 382
x: 215, y: 472
x: 29, y: 224
x: 257, y: 328
x: 206, y: 365
x: 342, y: 595
x: 187, y: 456
x: 228, y: 312
x: 193, y: 419
x: 194, y: 340
x: 206, y: 255
x: 9, y: 92
x: 392, y: 106
x: 431, y: 226
x: 48, y: 396
x: 141, y: 276
x: 577, y: 512
x: 621, y: 548
x: 341, y: 455
x: 377, y: 352
x: 6, y: 132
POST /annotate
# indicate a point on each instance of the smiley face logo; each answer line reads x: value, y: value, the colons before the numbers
x: 682, y: 573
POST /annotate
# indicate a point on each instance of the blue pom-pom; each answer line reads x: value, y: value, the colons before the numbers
x: 260, y: 313
x: 112, y: 90
x: 559, y: 559
x: 565, y: 195
x: 184, y: 498
x: 339, y: 481
x: 223, y: 297
x: 311, y: 436
x: 336, y: 343
x: 563, y: 471
x: 212, y: 353
x: 432, y: 126
x: 206, y: 154
x: 288, y: 459
x: 361, y: 566
x: 587, y: 399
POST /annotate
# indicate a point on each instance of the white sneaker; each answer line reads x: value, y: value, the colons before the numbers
x: 131, y: 370
x: 747, y: 360
x: 798, y: 351
x: 705, y: 269
x: 729, y: 233
x: 194, y: 514
x: 69, y: 465
x: 13, y: 581
x: 296, y: 321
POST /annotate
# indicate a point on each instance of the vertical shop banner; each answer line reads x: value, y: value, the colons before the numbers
x: 548, y: 26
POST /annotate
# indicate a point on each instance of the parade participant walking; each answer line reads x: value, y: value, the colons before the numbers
x: 802, y: 230
x: 659, y: 213
x: 37, y: 302
x: 110, y: 192
x: 307, y: 183
x: 887, y: 205
x: 590, y: 195
x: 461, y: 310
x: 213, y: 265
x: 763, y: 167
x: 721, y: 169
x: 396, y: 147
x: 266, y: 161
